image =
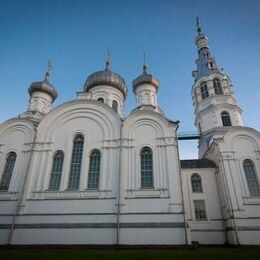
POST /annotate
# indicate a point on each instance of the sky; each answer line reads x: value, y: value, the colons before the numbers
x: 75, y: 36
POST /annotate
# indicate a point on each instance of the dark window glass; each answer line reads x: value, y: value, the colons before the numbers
x: 225, y: 119
x: 75, y: 166
x: 8, y: 171
x: 56, y: 171
x: 196, y: 183
x: 115, y: 105
x: 251, y: 178
x: 146, y: 168
x: 217, y: 87
x: 94, y: 169
x: 200, y: 210
x: 204, y: 90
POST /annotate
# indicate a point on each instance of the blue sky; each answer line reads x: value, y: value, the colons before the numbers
x: 75, y: 35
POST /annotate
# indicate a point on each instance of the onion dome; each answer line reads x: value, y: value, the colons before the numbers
x: 145, y: 78
x: 44, y: 86
x: 106, y: 77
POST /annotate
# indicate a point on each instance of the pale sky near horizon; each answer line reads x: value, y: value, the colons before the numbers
x: 75, y: 35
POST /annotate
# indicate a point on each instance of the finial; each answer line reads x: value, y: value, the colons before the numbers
x: 198, y: 25
x: 145, y: 65
x: 108, y: 59
x: 49, y: 70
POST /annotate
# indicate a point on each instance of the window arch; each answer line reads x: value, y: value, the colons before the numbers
x: 146, y: 158
x: 94, y: 169
x: 56, y: 170
x: 8, y: 171
x: 75, y: 165
x: 196, y: 183
x: 226, y: 121
x: 100, y: 100
x: 115, y: 105
x: 251, y: 178
x: 217, y: 87
x: 204, y: 90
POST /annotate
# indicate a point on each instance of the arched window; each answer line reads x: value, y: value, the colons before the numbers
x: 8, y: 171
x: 196, y: 183
x: 204, y: 90
x: 217, y: 87
x: 75, y: 165
x: 251, y: 178
x: 226, y: 121
x: 115, y: 105
x: 100, y: 100
x: 94, y: 169
x: 56, y: 170
x: 146, y: 157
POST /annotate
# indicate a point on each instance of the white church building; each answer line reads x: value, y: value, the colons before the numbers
x: 82, y: 173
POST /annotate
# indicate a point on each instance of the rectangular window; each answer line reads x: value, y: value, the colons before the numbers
x: 200, y: 210
x: 204, y: 90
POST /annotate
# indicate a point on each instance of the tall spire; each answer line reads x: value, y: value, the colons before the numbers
x: 108, y: 59
x: 206, y: 63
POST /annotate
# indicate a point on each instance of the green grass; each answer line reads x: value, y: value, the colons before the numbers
x: 125, y: 254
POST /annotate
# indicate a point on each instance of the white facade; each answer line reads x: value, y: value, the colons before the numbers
x: 83, y: 173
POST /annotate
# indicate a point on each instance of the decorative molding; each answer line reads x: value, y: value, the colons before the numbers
x: 7, y: 196
x: 68, y: 195
x: 166, y: 141
x: 95, y: 225
x: 147, y: 193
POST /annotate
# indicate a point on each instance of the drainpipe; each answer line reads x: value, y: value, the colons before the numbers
x: 182, y: 194
x: 22, y: 192
x: 119, y: 186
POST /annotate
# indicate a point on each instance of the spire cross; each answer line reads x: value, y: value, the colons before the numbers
x: 108, y: 59
x: 144, y: 64
x: 49, y: 70
x: 198, y: 24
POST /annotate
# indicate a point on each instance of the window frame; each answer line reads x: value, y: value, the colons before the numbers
x: 8, y: 171
x: 115, y: 105
x: 217, y: 86
x: 200, y: 213
x: 101, y: 100
x: 94, y: 170
x: 196, y: 187
x: 226, y: 119
x: 146, y: 168
x: 204, y: 90
x: 76, y: 162
x: 56, y: 170
x: 255, y: 179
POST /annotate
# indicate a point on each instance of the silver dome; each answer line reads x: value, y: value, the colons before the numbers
x: 43, y: 86
x: 145, y: 78
x: 106, y: 77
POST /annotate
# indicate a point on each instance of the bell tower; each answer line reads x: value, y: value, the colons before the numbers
x: 215, y: 106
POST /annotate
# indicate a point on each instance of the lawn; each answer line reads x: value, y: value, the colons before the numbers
x: 149, y: 254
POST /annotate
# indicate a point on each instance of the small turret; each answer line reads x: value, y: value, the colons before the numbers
x: 42, y: 94
x: 145, y: 88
